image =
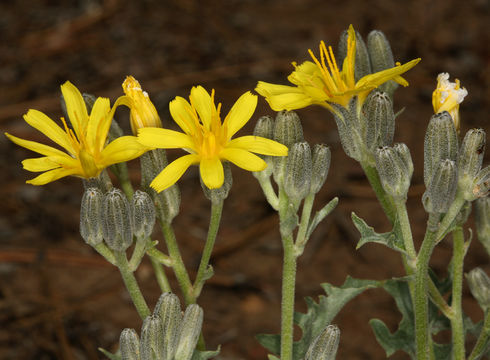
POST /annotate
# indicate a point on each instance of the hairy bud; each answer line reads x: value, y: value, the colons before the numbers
x: 479, y: 284
x: 380, y: 120
x: 482, y: 221
x: 151, y: 345
x: 381, y: 58
x: 320, y: 165
x: 129, y: 345
x: 91, y: 216
x: 298, y: 172
x: 168, y: 308
x: 143, y: 214
x: 362, y: 66
x: 324, y: 347
x: 394, y: 169
x: 117, y: 221
x: 442, y: 189
x: 191, y: 328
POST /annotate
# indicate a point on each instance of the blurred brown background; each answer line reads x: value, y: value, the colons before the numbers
x: 60, y: 300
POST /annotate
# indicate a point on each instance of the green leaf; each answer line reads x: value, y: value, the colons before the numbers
x: 110, y: 355
x: 205, y: 355
x: 319, y: 315
x: 391, y: 239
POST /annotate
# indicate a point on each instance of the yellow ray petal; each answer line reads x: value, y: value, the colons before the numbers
x: 240, y: 113
x: 173, y: 172
x: 39, y: 164
x: 183, y: 114
x: 383, y: 76
x: 259, y: 145
x: 124, y: 148
x: 97, y: 124
x: 292, y: 101
x: 75, y: 107
x: 268, y: 89
x: 48, y: 127
x: 201, y: 100
x: 35, y: 146
x: 212, y: 173
x: 51, y: 175
x: 164, y: 139
x: 244, y: 159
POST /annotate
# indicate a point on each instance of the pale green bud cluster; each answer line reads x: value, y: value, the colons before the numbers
x: 379, y: 120
x: 166, y: 334
x: 482, y: 221
x: 479, y: 284
x: 297, y: 179
x: 167, y: 202
x: 324, y: 347
x: 142, y: 214
x: 91, y: 216
x: 395, y: 169
x: 116, y: 221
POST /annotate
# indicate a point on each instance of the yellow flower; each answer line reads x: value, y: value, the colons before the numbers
x: 447, y: 97
x: 85, y: 143
x: 143, y: 112
x: 321, y: 82
x: 208, y: 140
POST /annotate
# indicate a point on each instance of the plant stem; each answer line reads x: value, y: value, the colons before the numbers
x: 269, y: 192
x: 401, y: 211
x: 457, y: 319
x: 160, y: 275
x: 301, y: 236
x: 385, y: 200
x: 481, y: 344
x: 288, y: 282
x: 216, y: 210
x: 422, y: 333
x: 131, y: 284
x: 177, y: 263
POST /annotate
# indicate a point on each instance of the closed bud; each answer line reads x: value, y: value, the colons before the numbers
x: 325, y: 346
x: 481, y: 184
x: 298, y: 172
x: 479, y: 284
x: 393, y: 172
x: 287, y: 131
x: 482, y: 221
x: 380, y: 120
x: 117, y: 221
x: 151, y: 345
x: 362, y: 63
x: 350, y: 129
x: 142, y: 214
x: 404, y: 154
x: 320, y: 166
x: 91, y: 216
x: 167, y: 202
x: 265, y: 129
x: 189, y: 335
x: 168, y: 308
x: 442, y: 189
x: 441, y: 142
x: 470, y: 158
x: 381, y: 58
x: 220, y: 194
x: 129, y: 345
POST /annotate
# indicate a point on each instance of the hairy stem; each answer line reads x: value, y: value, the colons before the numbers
x: 457, y: 319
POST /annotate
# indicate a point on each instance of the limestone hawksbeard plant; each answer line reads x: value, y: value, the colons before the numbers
x: 119, y: 224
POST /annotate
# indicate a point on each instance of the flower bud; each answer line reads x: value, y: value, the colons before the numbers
x: 380, y: 120
x: 349, y: 127
x: 116, y: 226
x: 220, y: 194
x: 143, y: 112
x: 265, y: 129
x: 393, y: 171
x: 189, y: 335
x: 324, y: 347
x: 381, y: 58
x: 479, y: 284
x: 151, y: 345
x: 287, y: 131
x: 168, y: 308
x: 129, y: 345
x: 481, y: 184
x: 441, y: 142
x: 442, y: 189
x: 404, y: 154
x: 470, y: 158
x: 167, y: 202
x: 320, y: 166
x: 447, y: 96
x: 482, y: 221
x: 362, y: 65
x: 298, y: 172
x: 91, y: 216
x: 142, y: 214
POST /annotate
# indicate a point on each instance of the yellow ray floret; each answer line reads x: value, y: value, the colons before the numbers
x: 85, y: 153
x: 208, y: 139
x: 447, y: 97
x: 321, y: 82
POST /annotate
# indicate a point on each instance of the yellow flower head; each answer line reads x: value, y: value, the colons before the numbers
x: 447, y: 97
x: 208, y: 139
x: 86, y: 153
x: 143, y: 112
x: 321, y: 82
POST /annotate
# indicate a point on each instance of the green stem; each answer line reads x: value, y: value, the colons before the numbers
x: 288, y: 283
x: 177, y: 263
x: 160, y: 275
x: 268, y: 190
x: 385, y: 200
x: 131, y: 284
x: 439, y: 301
x: 138, y: 253
x: 107, y: 253
x: 422, y: 333
x: 482, y: 343
x: 401, y: 211
x: 301, y: 236
x: 451, y: 214
x: 457, y: 319
x: 216, y: 210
